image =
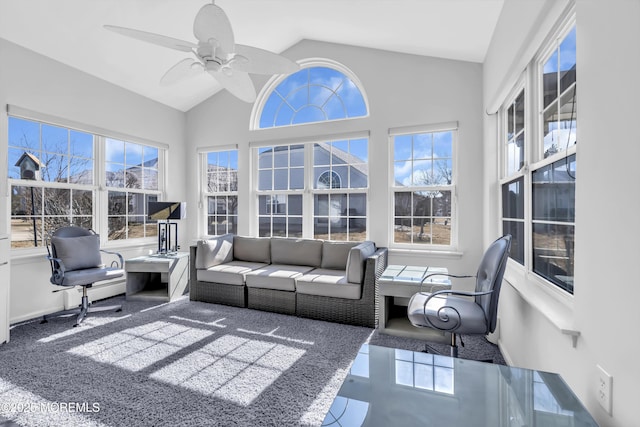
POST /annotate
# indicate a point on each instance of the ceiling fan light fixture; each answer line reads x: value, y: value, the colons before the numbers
x: 216, y: 53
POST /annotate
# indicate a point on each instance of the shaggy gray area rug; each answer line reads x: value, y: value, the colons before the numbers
x: 180, y: 364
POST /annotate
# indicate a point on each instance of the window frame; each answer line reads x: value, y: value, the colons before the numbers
x: 453, y: 187
x: 99, y: 215
x: 308, y: 191
x: 533, y: 86
x: 205, y: 194
x: 521, y: 174
x: 275, y: 80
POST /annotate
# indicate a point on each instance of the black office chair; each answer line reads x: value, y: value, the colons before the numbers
x: 76, y: 260
x: 448, y: 311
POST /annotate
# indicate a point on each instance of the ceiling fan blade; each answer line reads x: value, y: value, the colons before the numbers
x: 156, y: 39
x: 182, y: 70
x: 260, y: 61
x: 212, y: 23
x: 238, y: 83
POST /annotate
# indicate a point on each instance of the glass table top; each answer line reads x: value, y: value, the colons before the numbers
x: 393, y: 387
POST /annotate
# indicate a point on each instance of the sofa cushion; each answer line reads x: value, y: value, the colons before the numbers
x: 214, y: 251
x: 252, y: 249
x: 335, y: 254
x: 328, y: 283
x: 276, y: 276
x: 78, y: 253
x: 231, y: 273
x: 288, y: 251
x: 356, y: 261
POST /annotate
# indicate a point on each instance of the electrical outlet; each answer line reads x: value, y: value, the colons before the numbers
x: 603, y: 388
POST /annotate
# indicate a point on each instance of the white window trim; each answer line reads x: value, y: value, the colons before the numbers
x: 275, y: 80
x: 307, y: 192
x: 550, y: 300
x: 451, y: 249
x: 100, y: 205
x: 203, y: 206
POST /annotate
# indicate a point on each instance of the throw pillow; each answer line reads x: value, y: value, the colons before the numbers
x: 214, y: 251
x: 78, y: 253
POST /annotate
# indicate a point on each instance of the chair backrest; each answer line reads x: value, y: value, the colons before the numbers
x: 489, y: 277
x: 76, y: 247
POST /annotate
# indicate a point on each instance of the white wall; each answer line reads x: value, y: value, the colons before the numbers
x: 402, y: 90
x: 604, y: 307
x: 34, y: 82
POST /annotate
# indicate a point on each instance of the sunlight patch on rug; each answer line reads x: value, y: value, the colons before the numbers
x: 137, y: 348
x: 231, y: 368
x: 88, y: 323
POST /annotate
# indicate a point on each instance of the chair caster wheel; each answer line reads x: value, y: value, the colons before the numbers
x: 118, y: 310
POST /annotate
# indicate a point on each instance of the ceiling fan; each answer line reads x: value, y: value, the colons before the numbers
x: 216, y: 53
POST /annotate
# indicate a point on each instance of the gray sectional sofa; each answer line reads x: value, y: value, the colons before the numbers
x: 327, y: 280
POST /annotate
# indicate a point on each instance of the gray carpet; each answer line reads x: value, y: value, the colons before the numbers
x: 183, y: 364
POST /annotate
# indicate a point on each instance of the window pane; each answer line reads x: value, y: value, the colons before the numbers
x: 81, y: 144
x: 550, y: 80
x: 117, y: 203
x: 568, y: 60
x: 513, y: 199
x: 553, y: 253
x: 519, y: 113
x: 553, y: 191
x: 57, y: 201
x: 82, y: 202
x: 114, y: 150
x: 81, y: 170
x: 516, y: 229
x: 55, y: 139
x: 133, y: 177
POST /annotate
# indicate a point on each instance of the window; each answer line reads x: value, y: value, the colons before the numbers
x: 53, y: 176
x: 513, y: 193
x: 538, y: 201
x: 131, y: 179
x: 337, y: 179
x: 423, y: 187
x: 553, y: 176
x: 221, y: 191
x: 340, y: 199
x: 313, y: 94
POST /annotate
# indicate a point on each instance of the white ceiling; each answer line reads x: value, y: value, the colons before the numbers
x: 71, y: 31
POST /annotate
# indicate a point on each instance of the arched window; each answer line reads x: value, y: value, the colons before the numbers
x: 312, y: 188
x: 310, y: 95
x: 329, y: 179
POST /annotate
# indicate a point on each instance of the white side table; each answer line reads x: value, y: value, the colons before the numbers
x: 157, y: 277
x: 395, y: 286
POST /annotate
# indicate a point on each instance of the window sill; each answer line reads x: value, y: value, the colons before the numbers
x: 553, y: 304
x: 26, y: 256
x: 427, y: 252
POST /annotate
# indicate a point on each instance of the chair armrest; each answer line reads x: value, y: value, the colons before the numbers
x: 424, y: 279
x: 57, y: 270
x: 442, y: 314
x: 115, y: 262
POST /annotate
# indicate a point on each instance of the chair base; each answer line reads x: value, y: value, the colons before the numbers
x: 84, y: 308
x: 453, y: 348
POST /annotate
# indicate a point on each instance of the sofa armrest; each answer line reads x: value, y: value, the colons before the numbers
x: 374, y: 267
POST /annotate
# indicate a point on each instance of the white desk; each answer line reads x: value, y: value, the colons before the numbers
x: 157, y: 277
x: 396, y: 285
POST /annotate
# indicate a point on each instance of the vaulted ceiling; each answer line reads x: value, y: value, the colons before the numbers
x: 71, y: 31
